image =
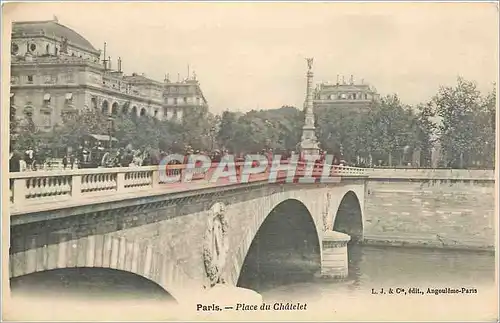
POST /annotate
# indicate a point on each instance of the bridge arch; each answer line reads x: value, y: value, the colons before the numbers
x: 349, y: 217
x: 101, y: 282
x: 285, y: 246
x: 101, y: 252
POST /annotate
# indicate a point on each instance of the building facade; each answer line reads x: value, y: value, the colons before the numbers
x: 54, y: 70
x: 345, y: 95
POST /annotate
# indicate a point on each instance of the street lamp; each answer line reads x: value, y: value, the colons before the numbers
x: 110, y: 130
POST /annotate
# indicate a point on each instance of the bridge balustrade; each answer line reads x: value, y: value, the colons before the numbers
x: 28, y: 188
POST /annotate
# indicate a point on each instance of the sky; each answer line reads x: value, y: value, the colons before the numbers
x: 252, y: 55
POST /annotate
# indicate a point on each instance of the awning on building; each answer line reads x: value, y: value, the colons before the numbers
x: 46, y: 97
x: 69, y: 96
x: 102, y: 137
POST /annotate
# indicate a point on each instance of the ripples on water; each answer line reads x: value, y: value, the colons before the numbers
x: 370, y: 267
x: 377, y: 267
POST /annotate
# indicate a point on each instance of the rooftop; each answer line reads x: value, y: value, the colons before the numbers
x: 52, y: 28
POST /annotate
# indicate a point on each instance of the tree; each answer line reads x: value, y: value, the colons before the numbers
x: 75, y: 126
x: 196, y: 128
x: 28, y: 135
x: 457, y: 108
x: 279, y: 129
x: 13, y: 125
x: 485, y: 125
x: 425, y: 132
x: 227, y: 128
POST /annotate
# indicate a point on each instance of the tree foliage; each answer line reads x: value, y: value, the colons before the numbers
x: 466, y: 128
x: 458, y: 117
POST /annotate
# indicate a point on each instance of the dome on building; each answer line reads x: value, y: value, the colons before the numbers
x: 52, y: 28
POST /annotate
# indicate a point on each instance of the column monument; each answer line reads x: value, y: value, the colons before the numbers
x: 309, y: 143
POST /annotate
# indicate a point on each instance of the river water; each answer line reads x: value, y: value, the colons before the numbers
x: 386, y: 267
x: 370, y: 268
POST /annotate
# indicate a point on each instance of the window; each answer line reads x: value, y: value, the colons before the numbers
x: 366, y: 96
x: 46, y: 119
x: 156, y: 113
x: 175, y: 100
x: 198, y: 101
x: 32, y: 47
x: 30, y: 78
x: 354, y: 96
x: 185, y: 100
x: 14, y: 48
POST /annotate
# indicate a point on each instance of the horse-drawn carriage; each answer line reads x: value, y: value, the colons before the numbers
x: 97, y: 151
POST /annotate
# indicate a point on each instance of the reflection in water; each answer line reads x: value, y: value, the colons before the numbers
x: 369, y: 267
x: 376, y: 267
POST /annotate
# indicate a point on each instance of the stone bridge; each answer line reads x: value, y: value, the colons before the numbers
x: 184, y: 236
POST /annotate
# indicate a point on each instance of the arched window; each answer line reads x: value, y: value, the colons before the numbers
x: 93, y: 103
x: 105, y: 107
x: 46, y: 99
x: 114, y: 109
x: 143, y: 112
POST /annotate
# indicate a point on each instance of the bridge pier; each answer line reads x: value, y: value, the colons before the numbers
x: 335, y: 262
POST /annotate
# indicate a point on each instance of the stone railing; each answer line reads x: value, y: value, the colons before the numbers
x: 28, y: 188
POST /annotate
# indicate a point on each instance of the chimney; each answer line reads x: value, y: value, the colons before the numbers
x: 119, y: 64
x: 343, y: 79
x: 338, y: 79
x: 352, y: 79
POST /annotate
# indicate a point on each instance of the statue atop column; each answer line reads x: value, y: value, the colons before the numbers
x: 309, y: 142
x: 310, y: 62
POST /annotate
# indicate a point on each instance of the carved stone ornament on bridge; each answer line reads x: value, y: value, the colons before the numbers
x: 326, y: 212
x: 216, y: 243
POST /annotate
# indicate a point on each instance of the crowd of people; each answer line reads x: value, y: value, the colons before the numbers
x: 98, y: 156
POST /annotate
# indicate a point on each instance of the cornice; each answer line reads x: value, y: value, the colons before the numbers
x: 16, y: 36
